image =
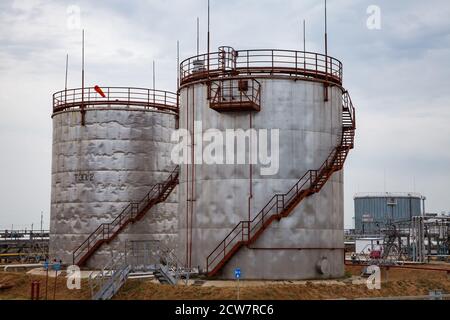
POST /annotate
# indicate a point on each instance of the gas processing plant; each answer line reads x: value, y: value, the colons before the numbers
x: 279, y: 124
x: 113, y: 179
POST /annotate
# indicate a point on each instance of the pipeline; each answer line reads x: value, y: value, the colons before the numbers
x: 401, y: 267
x: 192, y: 177
x: 187, y: 185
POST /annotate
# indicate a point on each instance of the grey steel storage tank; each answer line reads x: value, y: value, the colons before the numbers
x: 285, y: 224
x: 110, y: 146
x: 373, y: 210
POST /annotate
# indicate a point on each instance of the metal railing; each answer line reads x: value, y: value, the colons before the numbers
x: 133, y: 211
x: 235, y: 93
x: 280, y: 205
x: 261, y: 61
x: 74, y: 99
x: 153, y: 255
x: 107, y: 282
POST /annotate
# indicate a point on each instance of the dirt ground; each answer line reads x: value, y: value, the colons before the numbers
x: 397, y: 282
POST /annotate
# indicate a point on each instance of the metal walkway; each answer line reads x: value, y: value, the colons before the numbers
x: 142, y: 256
x: 106, y: 283
x: 153, y: 256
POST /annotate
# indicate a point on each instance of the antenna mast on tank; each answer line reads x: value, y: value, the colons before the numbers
x: 178, y: 65
x: 82, y: 80
x: 154, y: 97
x: 208, y: 49
x: 326, y: 54
x: 304, y: 35
x: 177, y: 117
x: 304, y: 44
x: 65, y: 81
x: 326, y: 36
x: 198, y: 36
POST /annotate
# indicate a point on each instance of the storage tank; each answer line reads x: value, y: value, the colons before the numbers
x: 373, y: 210
x: 107, y: 152
x: 272, y: 221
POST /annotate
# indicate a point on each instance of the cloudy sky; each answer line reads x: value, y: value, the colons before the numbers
x: 398, y: 77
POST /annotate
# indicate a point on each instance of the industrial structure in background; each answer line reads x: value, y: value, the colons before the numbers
x: 23, y: 246
x: 393, y: 228
x: 374, y: 211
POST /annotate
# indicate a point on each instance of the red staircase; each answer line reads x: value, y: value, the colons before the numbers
x: 281, y: 205
x: 133, y: 212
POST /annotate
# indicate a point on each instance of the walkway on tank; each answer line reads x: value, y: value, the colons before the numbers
x: 89, y: 97
x: 260, y: 62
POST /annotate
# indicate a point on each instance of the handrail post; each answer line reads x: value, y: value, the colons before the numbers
x: 272, y: 62
x: 304, y: 60
x: 248, y: 62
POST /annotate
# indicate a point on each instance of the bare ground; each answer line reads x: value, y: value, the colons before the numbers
x: 399, y: 282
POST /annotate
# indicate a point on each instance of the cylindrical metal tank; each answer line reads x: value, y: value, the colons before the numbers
x: 121, y: 150
x: 215, y: 197
x: 374, y: 210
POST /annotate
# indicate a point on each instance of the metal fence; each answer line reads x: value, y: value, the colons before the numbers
x: 120, y: 96
x: 261, y: 61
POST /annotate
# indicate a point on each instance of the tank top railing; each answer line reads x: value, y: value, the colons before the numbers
x: 228, y: 61
x: 132, y: 212
x: 281, y: 205
x: 74, y: 99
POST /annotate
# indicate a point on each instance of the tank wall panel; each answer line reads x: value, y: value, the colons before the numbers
x: 97, y: 169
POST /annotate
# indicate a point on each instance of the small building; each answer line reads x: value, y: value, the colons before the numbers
x: 374, y: 210
x: 366, y: 245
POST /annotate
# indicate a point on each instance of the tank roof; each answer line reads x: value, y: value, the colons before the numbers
x: 388, y: 195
